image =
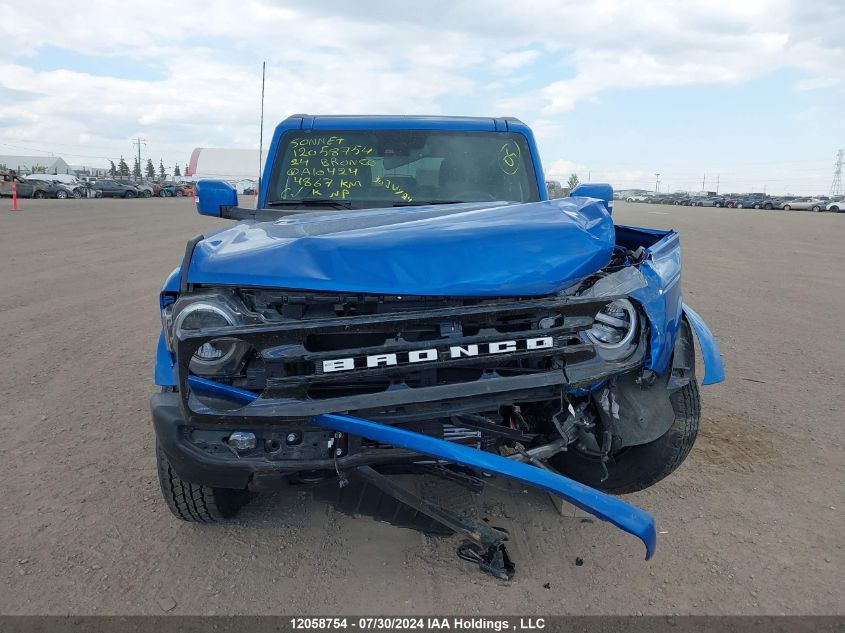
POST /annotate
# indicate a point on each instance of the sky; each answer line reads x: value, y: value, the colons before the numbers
x: 746, y: 94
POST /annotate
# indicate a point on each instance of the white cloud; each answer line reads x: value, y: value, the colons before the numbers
x: 535, y: 60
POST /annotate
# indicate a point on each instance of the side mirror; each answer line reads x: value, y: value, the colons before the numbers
x: 215, y: 198
x: 600, y: 190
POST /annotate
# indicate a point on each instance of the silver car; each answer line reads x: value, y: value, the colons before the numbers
x: 804, y: 204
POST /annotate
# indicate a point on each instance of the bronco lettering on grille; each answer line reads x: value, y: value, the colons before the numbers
x: 433, y: 354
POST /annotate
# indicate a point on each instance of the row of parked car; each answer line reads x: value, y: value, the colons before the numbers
x: 747, y: 201
x: 44, y: 187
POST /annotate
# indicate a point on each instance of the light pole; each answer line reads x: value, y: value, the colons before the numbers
x: 657, y: 183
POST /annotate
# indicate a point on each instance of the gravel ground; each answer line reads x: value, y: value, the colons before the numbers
x: 752, y: 523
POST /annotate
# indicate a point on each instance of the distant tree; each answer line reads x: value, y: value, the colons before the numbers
x: 573, y: 181
x: 3, y: 167
x: 136, y: 169
x: 176, y: 171
x: 38, y: 169
x: 112, y: 169
x: 161, y: 173
x: 122, y: 168
x: 150, y: 170
x: 186, y: 169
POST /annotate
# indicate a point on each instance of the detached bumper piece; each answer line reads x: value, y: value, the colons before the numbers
x: 486, y: 544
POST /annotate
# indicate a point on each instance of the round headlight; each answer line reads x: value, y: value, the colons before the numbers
x: 615, y: 326
x: 214, y: 356
x: 200, y: 315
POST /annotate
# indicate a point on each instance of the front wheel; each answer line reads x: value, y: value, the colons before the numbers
x: 786, y: 207
x: 147, y: 193
x: 129, y: 194
x: 195, y: 503
x: 816, y: 208
x: 61, y: 194
x: 768, y: 207
x: 635, y: 468
x: 179, y: 193
x: 40, y: 195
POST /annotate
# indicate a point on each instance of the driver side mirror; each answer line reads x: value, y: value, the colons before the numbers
x: 215, y: 198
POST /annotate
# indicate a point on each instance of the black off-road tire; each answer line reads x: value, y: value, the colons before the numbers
x: 638, y: 467
x: 195, y: 503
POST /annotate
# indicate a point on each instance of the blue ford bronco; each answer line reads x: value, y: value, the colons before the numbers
x: 405, y: 299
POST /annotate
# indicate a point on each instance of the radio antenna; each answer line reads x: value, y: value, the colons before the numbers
x: 261, y: 132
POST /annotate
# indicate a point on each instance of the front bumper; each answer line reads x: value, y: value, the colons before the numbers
x: 193, y: 464
x: 198, y: 453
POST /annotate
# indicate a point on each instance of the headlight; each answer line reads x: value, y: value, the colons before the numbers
x: 615, y: 328
x: 220, y: 356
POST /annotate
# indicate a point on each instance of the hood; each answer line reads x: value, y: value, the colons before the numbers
x: 471, y: 249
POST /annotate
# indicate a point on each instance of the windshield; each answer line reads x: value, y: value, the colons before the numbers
x: 372, y: 168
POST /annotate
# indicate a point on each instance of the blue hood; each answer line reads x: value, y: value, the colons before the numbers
x: 471, y: 249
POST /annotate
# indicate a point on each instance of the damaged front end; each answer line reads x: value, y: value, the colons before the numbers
x: 584, y: 387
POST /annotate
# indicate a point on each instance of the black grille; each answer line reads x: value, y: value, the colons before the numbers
x: 305, y: 331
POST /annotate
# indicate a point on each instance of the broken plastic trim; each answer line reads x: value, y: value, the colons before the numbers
x: 624, y: 516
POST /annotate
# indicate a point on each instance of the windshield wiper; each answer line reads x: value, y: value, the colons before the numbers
x: 426, y: 202
x: 312, y: 202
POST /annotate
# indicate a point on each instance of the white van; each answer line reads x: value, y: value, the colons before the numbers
x: 68, y: 179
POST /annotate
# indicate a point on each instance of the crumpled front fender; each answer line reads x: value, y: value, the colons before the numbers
x: 624, y: 516
x: 714, y: 368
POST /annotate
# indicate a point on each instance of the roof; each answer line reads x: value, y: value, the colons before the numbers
x: 389, y: 122
x: 12, y: 161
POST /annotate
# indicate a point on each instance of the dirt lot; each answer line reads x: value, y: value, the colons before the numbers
x: 751, y: 523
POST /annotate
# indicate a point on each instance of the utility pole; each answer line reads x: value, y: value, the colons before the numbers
x: 717, y: 182
x: 703, y: 180
x: 836, y: 185
x: 656, y: 183
x: 139, y: 142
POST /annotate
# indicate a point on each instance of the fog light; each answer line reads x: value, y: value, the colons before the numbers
x: 242, y: 441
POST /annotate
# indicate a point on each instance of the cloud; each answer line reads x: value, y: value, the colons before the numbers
x: 536, y: 60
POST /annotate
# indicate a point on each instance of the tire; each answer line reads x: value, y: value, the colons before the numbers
x: 179, y: 193
x: 816, y: 208
x: 195, y: 503
x: 40, y: 195
x: 61, y: 194
x: 786, y: 207
x: 147, y: 193
x: 739, y: 206
x: 637, y: 467
x: 162, y: 193
x: 129, y: 194
x: 99, y: 194
x: 756, y: 206
x: 77, y: 194
x: 834, y: 209
x: 718, y: 204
